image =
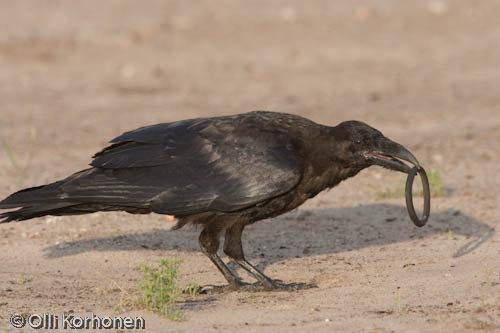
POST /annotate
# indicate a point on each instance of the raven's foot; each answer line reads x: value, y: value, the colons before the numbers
x: 235, y: 286
x: 277, y: 285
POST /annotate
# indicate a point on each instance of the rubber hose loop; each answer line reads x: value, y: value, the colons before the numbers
x: 409, y: 196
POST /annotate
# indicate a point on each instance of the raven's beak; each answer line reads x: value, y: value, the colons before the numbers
x: 389, y: 155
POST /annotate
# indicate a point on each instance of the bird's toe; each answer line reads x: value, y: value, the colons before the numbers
x: 212, y: 289
x: 293, y: 286
x: 277, y: 285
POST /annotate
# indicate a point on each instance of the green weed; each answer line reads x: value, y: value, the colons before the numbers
x: 23, y: 279
x: 127, y: 302
x: 20, y: 168
x: 395, y: 192
x: 437, y: 188
x: 10, y: 154
x: 398, y: 300
x: 159, y: 288
x: 192, y: 289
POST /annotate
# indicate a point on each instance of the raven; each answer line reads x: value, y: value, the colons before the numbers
x: 221, y: 173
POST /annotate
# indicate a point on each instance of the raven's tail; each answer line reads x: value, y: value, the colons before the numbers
x: 84, y: 192
x: 34, y: 202
x: 26, y: 213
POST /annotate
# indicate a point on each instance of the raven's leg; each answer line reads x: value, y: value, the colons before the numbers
x: 234, y: 249
x: 209, y: 244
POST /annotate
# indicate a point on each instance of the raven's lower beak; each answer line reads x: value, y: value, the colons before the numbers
x: 389, y: 155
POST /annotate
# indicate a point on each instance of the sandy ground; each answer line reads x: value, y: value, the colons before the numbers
x: 73, y: 75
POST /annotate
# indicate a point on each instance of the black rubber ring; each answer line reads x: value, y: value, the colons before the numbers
x: 409, y: 196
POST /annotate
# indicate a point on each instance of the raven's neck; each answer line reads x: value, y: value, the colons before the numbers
x: 330, y: 158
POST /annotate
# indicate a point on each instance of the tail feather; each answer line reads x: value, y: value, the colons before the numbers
x: 65, y: 208
x: 26, y: 197
x: 84, y: 192
x: 33, y: 202
x: 26, y: 213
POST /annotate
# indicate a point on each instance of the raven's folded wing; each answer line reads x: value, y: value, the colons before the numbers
x: 180, y: 168
x: 203, y: 165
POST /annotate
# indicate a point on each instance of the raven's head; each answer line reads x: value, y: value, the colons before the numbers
x: 368, y: 146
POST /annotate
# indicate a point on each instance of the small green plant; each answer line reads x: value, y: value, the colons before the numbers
x: 398, y: 190
x: 126, y: 303
x: 23, y: 279
x: 10, y: 154
x: 159, y: 288
x: 450, y: 234
x: 398, y: 300
x: 192, y: 289
x: 437, y: 188
x: 20, y: 168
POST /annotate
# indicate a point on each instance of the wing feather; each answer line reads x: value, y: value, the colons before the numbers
x: 218, y: 164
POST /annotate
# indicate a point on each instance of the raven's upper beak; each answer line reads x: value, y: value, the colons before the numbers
x: 389, y: 155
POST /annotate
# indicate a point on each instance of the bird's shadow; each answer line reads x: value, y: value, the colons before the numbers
x: 302, y: 233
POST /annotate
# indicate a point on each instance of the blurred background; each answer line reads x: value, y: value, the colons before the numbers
x: 75, y: 74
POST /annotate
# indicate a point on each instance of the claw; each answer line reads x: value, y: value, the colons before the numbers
x: 277, y: 285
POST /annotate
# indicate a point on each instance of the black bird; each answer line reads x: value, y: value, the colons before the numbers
x: 222, y: 173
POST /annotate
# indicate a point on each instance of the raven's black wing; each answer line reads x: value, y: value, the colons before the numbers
x: 213, y: 164
x: 220, y: 164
